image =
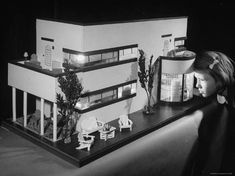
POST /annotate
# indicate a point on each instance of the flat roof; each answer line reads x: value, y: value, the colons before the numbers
x: 102, y: 22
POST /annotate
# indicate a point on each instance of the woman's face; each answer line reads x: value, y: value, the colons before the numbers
x: 206, y: 84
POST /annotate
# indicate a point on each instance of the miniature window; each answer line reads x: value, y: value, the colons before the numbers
x: 83, y: 103
x: 127, y: 53
x: 107, y: 96
x: 94, y: 99
x: 95, y: 58
x: 171, y: 87
x: 133, y: 88
x: 126, y: 90
x: 110, y: 57
x: 119, y: 92
x: 188, y: 86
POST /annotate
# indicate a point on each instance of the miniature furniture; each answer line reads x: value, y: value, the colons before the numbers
x: 85, y: 141
x: 87, y: 126
x: 107, y: 132
x: 125, y: 122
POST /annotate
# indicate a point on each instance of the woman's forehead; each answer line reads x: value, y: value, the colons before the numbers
x: 202, y: 73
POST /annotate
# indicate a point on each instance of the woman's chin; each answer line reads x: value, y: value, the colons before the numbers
x: 204, y: 95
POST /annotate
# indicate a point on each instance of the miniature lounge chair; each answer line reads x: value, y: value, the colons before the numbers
x: 87, y: 126
x: 124, y: 122
x: 85, y: 141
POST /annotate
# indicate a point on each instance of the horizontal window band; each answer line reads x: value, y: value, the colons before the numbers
x: 108, y: 88
x: 180, y: 38
x: 77, y: 70
x: 177, y: 58
x: 181, y: 48
x: 100, y: 66
x: 69, y: 51
x: 100, y: 105
x: 47, y: 39
x: 166, y: 35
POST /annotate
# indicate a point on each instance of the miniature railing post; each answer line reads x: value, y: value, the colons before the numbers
x: 25, y: 109
x: 54, y: 122
x: 14, y: 103
x: 42, y: 117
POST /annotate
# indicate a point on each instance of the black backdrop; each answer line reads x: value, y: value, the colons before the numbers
x: 211, y: 26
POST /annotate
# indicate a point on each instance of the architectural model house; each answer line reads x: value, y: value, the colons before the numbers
x: 104, y: 57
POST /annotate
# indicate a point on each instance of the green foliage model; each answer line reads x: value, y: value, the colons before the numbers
x: 72, y: 88
x: 146, y: 76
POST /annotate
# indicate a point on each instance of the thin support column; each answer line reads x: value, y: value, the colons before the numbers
x: 42, y: 117
x: 14, y: 103
x: 25, y: 109
x: 54, y: 122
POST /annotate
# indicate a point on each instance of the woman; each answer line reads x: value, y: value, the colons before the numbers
x: 214, y: 73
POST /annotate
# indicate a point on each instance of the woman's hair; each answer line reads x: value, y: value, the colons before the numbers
x: 220, y: 66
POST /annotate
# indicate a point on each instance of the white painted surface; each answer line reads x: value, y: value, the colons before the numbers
x: 42, y: 117
x: 32, y: 82
x: 54, y: 122
x: 64, y: 35
x: 177, y: 66
x: 25, y: 109
x: 109, y: 76
x: 147, y: 34
x: 14, y: 103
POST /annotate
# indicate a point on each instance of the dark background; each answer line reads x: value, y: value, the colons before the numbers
x: 211, y: 25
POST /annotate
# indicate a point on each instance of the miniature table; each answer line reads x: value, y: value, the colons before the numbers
x: 107, y: 134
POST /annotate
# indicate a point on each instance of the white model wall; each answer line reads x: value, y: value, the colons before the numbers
x: 147, y: 34
x: 32, y: 82
x: 64, y: 35
x: 109, y: 76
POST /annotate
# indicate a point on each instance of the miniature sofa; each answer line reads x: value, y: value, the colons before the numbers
x: 171, y: 150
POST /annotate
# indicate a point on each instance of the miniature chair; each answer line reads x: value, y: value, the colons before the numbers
x: 124, y: 122
x: 85, y: 141
x: 88, y: 126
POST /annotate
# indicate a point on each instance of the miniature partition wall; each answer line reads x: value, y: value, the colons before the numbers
x: 104, y: 57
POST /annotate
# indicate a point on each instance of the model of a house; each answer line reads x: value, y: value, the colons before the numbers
x: 104, y: 57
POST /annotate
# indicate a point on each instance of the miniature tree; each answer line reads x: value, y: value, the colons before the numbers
x: 146, y: 79
x: 72, y: 88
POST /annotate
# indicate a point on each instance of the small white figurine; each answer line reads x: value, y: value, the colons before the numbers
x: 85, y: 141
x: 125, y: 122
x: 107, y: 132
x: 26, y: 55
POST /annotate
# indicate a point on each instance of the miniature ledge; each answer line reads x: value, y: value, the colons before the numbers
x: 77, y: 70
